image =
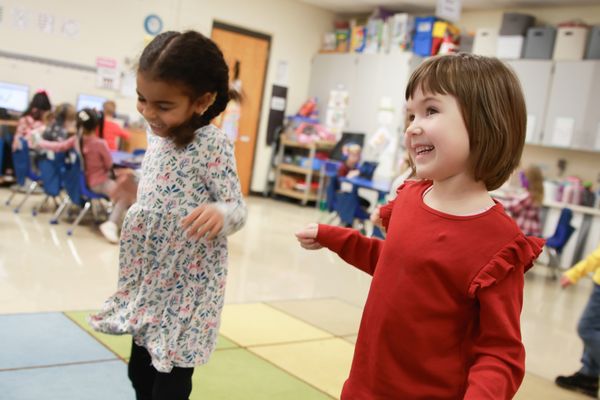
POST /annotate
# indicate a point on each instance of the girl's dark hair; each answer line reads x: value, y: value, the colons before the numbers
x: 39, y: 104
x: 193, y: 61
x: 87, y: 119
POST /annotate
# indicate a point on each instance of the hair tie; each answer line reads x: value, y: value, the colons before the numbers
x: 41, y: 91
x: 83, y: 115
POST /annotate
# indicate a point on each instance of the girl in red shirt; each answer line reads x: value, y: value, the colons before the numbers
x: 442, y: 319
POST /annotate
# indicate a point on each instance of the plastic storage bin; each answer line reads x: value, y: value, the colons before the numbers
x: 593, y: 47
x: 510, y: 47
x: 539, y: 43
x: 516, y: 24
x: 423, y: 35
x: 485, y: 42
x: 570, y: 43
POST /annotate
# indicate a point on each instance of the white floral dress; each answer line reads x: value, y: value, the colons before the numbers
x: 171, y: 289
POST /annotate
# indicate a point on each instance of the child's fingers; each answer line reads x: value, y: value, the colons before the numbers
x: 217, y: 225
x: 191, y: 217
x: 311, y: 246
x: 199, y: 222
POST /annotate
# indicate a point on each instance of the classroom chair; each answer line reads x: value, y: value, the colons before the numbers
x: 23, y: 172
x: 557, y: 242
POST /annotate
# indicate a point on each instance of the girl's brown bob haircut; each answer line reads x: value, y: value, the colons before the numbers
x: 492, y: 106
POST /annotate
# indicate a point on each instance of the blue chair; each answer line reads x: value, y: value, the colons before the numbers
x: 557, y: 242
x: 78, y: 193
x: 51, y: 176
x: 344, y: 205
x: 22, y: 168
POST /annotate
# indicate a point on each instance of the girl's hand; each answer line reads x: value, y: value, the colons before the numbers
x: 205, y: 219
x: 353, y: 174
x: 565, y: 282
x: 307, y: 237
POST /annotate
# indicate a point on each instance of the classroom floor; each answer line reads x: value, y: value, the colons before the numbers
x: 288, y: 327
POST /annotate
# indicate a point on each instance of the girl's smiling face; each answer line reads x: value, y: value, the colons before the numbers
x: 437, y: 138
x: 166, y: 105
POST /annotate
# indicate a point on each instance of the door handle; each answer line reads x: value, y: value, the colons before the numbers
x: 244, y: 138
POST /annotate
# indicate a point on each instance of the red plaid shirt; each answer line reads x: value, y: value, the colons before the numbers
x: 525, y: 213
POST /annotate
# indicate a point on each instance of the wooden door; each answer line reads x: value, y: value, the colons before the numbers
x: 251, y: 51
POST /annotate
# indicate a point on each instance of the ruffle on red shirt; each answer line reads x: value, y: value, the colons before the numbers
x: 523, y: 250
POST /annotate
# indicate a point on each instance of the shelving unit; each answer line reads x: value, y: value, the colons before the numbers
x: 286, y: 170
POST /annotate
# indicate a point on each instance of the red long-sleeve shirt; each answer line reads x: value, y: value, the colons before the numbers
x: 110, y: 133
x: 442, y: 318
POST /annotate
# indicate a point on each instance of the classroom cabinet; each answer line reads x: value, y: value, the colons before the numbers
x: 297, y: 173
x: 368, y: 78
x: 572, y: 117
x: 535, y: 77
x: 562, y: 97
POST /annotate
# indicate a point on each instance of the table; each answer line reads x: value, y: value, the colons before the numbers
x: 381, y: 187
x: 124, y: 159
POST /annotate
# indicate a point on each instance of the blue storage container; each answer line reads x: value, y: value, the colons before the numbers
x: 423, y: 37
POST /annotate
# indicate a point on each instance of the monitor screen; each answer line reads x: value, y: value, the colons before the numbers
x: 90, y: 101
x: 14, y: 97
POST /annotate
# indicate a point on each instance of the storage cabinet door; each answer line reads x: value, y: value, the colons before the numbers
x: 568, y: 106
x: 332, y: 71
x: 535, y: 77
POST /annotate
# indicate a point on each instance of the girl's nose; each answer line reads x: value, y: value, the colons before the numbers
x: 414, y: 129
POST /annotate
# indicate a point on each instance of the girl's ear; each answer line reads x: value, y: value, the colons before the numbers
x: 204, y: 102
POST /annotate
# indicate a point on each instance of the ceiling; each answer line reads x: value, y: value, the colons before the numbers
x: 416, y: 6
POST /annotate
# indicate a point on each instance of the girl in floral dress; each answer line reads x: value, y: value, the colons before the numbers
x: 173, y: 256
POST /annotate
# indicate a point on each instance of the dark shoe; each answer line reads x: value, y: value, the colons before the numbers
x: 579, y: 383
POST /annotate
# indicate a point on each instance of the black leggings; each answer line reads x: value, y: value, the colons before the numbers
x: 149, y: 384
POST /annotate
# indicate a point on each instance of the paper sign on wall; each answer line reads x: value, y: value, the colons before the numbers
x: 107, y: 75
x: 278, y: 103
x: 448, y: 9
x: 597, y: 144
x: 563, y: 131
x: 282, y: 73
x: 20, y: 19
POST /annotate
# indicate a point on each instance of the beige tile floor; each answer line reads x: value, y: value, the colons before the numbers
x: 270, y: 279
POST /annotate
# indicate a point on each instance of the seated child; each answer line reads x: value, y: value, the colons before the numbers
x: 525, y: 207
x: 97, y: 163
x: 110, y: 130
x: 64, y: 124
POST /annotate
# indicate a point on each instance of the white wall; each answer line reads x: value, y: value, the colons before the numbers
x: 115, y: 29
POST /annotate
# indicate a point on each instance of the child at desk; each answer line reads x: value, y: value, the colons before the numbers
x: 64, y: 124
x: 97, y: 164
x: 525, y: 207
x: 108, y: 129
x: 32, y: 119
x: 350, y: 168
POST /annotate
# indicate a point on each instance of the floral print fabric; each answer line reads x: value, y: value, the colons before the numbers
x: 171, y: 289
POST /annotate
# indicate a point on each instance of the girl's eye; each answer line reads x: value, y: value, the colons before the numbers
x: 163, y: 108
x: 411, y: 117
x: 431, y: 111
x: 141, y: 100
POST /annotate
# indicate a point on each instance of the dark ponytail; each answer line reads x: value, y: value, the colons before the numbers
x: 87, y: 120
x: 195, y: 62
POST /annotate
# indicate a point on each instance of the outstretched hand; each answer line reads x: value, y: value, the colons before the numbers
x: 565, y: 282
x: 308, y: 237
x: 203, y: 220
